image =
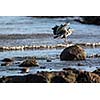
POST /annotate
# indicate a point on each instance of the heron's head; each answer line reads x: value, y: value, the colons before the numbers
x: 66, y: 24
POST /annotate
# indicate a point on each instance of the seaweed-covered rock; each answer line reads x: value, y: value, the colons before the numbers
x: 73, y: 53
x: 29, y: 63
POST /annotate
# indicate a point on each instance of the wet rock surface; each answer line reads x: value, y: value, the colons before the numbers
x: 73, y: 53
x: 67, y: 75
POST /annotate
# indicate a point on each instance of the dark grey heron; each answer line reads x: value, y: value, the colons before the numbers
x: 62, y: 31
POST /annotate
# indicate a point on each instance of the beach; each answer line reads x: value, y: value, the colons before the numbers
x: 22, y: 38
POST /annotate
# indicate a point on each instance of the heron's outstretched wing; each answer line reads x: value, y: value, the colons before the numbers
x: 60, y: 31
x: 55, y: 29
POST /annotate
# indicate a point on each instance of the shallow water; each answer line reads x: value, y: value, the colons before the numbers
x: 30, y: 27
x: 89, y: 64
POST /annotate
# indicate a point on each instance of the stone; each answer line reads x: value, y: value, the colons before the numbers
x: 6, y: 64
x: 24, y: 79
x: 80, y: 64
x: 42, y: 67
x: 87, y: 77
x: 97, y: 71
x: 58, y: 79
x: 29, y: 63
x: 73, y: 53
x: 67, y: 75
x: 49, y: 60
x: 8, y: 60
x: 91, y: 20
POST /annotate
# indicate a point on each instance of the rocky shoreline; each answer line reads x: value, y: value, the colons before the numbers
x: 73, y: 53
x: 67, y: 75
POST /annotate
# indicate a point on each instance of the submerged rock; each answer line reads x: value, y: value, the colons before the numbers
x: 29, y: 63
x: 8, y: 60
x: 73, y: 53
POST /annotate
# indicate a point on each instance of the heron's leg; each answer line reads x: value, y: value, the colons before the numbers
x: 65, y: 40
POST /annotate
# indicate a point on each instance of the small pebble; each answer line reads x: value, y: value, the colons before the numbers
x: 42, y: 67
x: 49, y: 60
x: 80, y: 64
x: 50, y: 68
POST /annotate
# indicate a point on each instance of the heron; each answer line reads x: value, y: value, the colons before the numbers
x: 62, y: 31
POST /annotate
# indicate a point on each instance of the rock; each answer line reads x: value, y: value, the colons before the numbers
x: 67, y: 75
x: 42, y: 67
x: 87, y: 77
x: 97, y: 71
x: 25, y: 70
x: 50, y: 69
x: 73, y: 53
x: 91, y: 20
x: 36, y: 78
x: 49, y: 60
x: 8, y: 60
x: 24, y: 79
x: 80, y: 64
x: 6, y: 64
x: 70, y: 74
x: 58, y: 79
x: 29, y: 63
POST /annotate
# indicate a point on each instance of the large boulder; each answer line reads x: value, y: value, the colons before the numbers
x: 73, y: 53
x: 29, y: 63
